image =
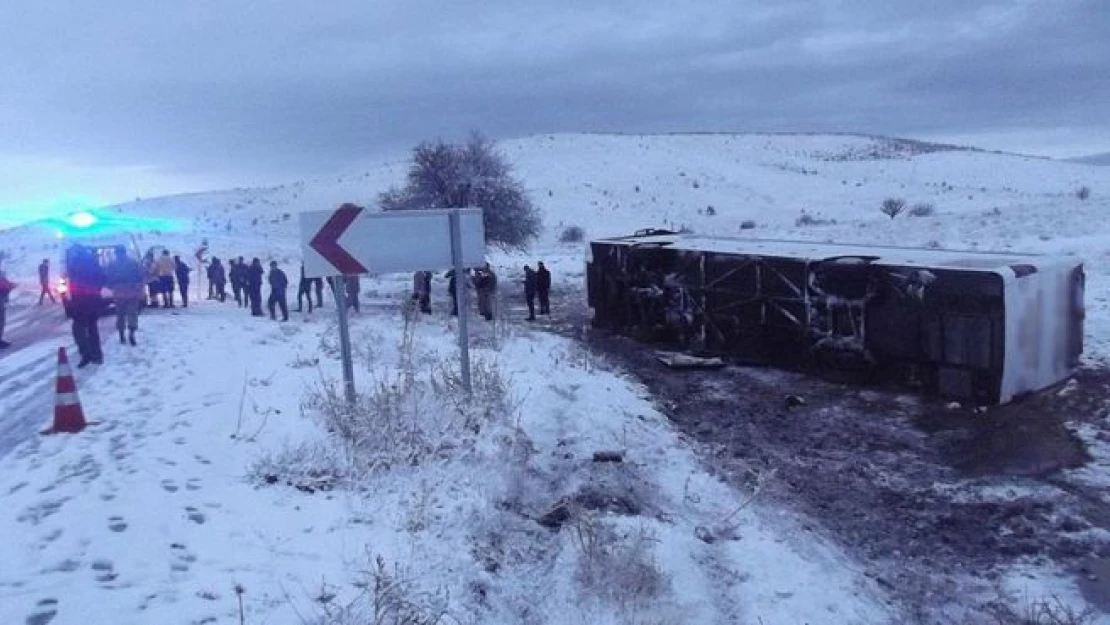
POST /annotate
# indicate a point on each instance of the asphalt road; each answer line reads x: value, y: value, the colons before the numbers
x: 28, y: 370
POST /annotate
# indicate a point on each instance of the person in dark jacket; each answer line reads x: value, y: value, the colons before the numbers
x: 235, y: 275
x: 6, y: 288
x: 304, y: 291
x: 218, y: 278
x: 530, y: 291
x: 125, y: 277
x: 44, y: 282
x: 279, y: 284
x: 451, y: 293
x: 543, y: 288
x: 255, y: 273
x: 208, y: 273
x: 86, y: 279
x: 182, y: 271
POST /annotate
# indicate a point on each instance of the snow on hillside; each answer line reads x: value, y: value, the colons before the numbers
x: 214, y: 455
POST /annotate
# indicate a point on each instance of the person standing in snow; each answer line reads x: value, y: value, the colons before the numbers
x: 44, y: 282
x: 238, y: 277
x: 530, y: 291
x: 318, y: 284
x: 182, y: 271
x: 304, y: 291
x: 211, y: 283
x: 86, y: 279
x: 543, y: 288
x: 279, y: 284
x: 485, y: 282
x: 165, y: 268
x: 353, y: 286
x: 150, y: 270
x: 125, y: 278
x: 218, y: 279
x: 254, y: 274
x: 6, y: 288
x: 451, y: 282
x: 422, y: 290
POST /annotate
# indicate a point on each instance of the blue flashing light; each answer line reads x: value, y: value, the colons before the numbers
x: 83, y: 219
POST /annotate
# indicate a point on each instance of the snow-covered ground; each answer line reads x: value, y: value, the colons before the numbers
x: 187, y: 489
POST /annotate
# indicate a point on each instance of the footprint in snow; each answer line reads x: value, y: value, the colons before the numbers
x: 196, y: 516
x: 44, y: 612
x: 170, y: 486
x: 192, y: 484
x: 202, y: 460
x: 180, y: 440
x: 117, y: 524
x: 105, y: 571
x: 182, y: 558
x: 167, y: 462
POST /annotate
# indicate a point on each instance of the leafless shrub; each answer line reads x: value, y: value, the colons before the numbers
x: 923, y: 209
x: 808, y: 219
x: 1083, y: 193
x: 709, y: 210
x: 304, y: 362
x: 407, y: 415
x: 1040, y: 611
x: 892, y: 207
x: 388, y: 597
x: 572, y: 234
x: 307, y: 467
x: 618, y: 568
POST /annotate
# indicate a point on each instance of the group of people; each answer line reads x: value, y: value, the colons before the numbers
x: 153, y: 280
x: 537, y: 286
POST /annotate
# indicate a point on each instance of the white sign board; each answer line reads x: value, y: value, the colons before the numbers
x: 351, y: 240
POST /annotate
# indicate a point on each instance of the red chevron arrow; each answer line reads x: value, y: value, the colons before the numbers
x: 326, y: 241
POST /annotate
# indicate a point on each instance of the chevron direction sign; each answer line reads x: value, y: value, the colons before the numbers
x: 351, y: 240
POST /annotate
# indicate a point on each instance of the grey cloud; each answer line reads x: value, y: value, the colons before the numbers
x: 284, y: 87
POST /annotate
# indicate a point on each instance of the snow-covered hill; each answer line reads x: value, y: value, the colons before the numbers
x: 823, y: 187
x: 615, y: 183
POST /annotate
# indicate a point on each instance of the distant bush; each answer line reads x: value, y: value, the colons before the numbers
x: 709, y: 210
x: 808, y: 219
x: 1083, y: 193
x: 572, y: 234
x: 892, y: 207
x: 747, y: 224
x: 921, y: 210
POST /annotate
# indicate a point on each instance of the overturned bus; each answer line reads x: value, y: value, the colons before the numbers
x: 973, y: 326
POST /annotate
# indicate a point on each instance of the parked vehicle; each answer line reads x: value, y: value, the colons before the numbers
x: 104, y: 249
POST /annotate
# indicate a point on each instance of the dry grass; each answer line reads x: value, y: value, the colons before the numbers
x: 619, y: 568
x: 387, y: 597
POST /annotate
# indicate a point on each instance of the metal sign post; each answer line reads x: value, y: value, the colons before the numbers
x: 460, y: 299
x: 351, y: 241
x: 340, y: 288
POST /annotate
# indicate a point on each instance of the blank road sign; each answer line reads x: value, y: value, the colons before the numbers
x: 351, y: 240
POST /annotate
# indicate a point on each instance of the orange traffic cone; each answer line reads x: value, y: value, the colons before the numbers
x: 68, y: 415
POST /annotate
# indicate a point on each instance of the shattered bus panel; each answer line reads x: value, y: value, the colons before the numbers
x: 974, y: 326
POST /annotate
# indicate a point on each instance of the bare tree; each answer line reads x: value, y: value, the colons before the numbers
x: 473, y: 175
x: 892, y: 206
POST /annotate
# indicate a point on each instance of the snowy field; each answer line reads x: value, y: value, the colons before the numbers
x: 221, y: 486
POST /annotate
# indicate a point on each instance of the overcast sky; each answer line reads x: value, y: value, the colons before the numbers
x: 111, y: 100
